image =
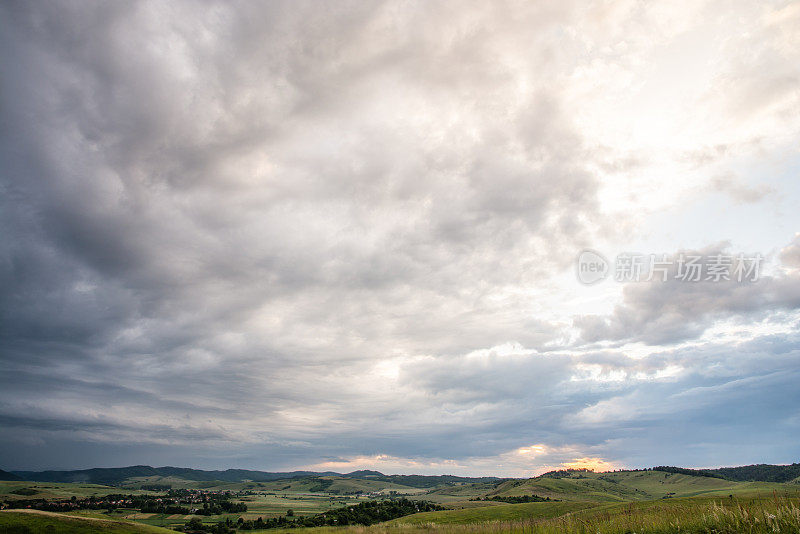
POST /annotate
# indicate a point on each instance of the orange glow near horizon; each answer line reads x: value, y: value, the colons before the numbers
x: 592, y: 464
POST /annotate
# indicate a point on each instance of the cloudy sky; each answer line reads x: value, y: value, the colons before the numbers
x: 343, y: 235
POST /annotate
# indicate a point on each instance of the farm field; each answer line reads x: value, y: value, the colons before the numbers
x: 259, y: 505
x: 730, y: 515
x: 264, y: 505
x: 18, y: 490
x: 628, y: 501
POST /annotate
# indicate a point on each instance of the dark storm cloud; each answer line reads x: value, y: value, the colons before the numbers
x: 202, y: 205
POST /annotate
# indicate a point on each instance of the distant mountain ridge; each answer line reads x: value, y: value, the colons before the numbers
x: 5, y: 475
x: 112, y: 476
x: 115, y: 475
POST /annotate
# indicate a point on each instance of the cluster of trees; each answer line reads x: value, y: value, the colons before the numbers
x: 365, y: 513
x: 153, y: 507
x: 221, y: 507
x: 368, y: 513
x: 762, y: 472
x: 684, y: 471
x: 194, y: 525
x: 156, y: 487
x: 563, y: 473
x: 175, y: 502
x: 25, y: 491
x: 208, y: 503
x: 109, y: 502
x: 515, y: 499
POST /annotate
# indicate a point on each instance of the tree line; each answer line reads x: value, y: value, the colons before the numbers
x: 365, y: 513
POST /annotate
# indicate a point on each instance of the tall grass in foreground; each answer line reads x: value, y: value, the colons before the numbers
x: 726, y: 516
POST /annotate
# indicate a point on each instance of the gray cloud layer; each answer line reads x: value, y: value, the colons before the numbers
x: 273, y: 234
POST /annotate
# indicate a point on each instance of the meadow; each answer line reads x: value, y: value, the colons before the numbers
x: 263, y: 505
x: 672, y: 516
x: 37, y: 522
x: 14, y: 490
x: 582, y: 502
x: 730, y: 515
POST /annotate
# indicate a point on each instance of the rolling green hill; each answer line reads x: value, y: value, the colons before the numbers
x: 589, y: 487
x: 630, y: 486
x: 117, y: 475
x: 500, y: 512
x: 656, y: 484
x: 577, y: 494
x: 421, y: 481
x: 36, y: 522
x: 696, y: 515
x: 335, y: 485
x: 728, y: 515
x: 582, y: 487
x: 180, y: 477
x: 15, y: 490
x: 466, y: 491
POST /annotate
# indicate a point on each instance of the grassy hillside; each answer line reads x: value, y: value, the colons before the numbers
x: 334, y: 484
x: 35, y: 522
x: 632, y: 486
x: 325, y: 484
x: 656, y: 484
x: 465, y: 491
x: 118, y: 475
x: 618, y: 498
x: 689, y: 515
x: 500, y: 512
x: 580, y: 488
x: 11, y: 491
x: 662, y: 516
x: 421, y: 481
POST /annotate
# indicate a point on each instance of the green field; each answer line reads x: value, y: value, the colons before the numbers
x: 729, y: 515
x: 264, y: 505
x: 605, y: 503
x: 699, y: 515
x: 56, y: 490
x: 499, y: 512
x: 260, y: 505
